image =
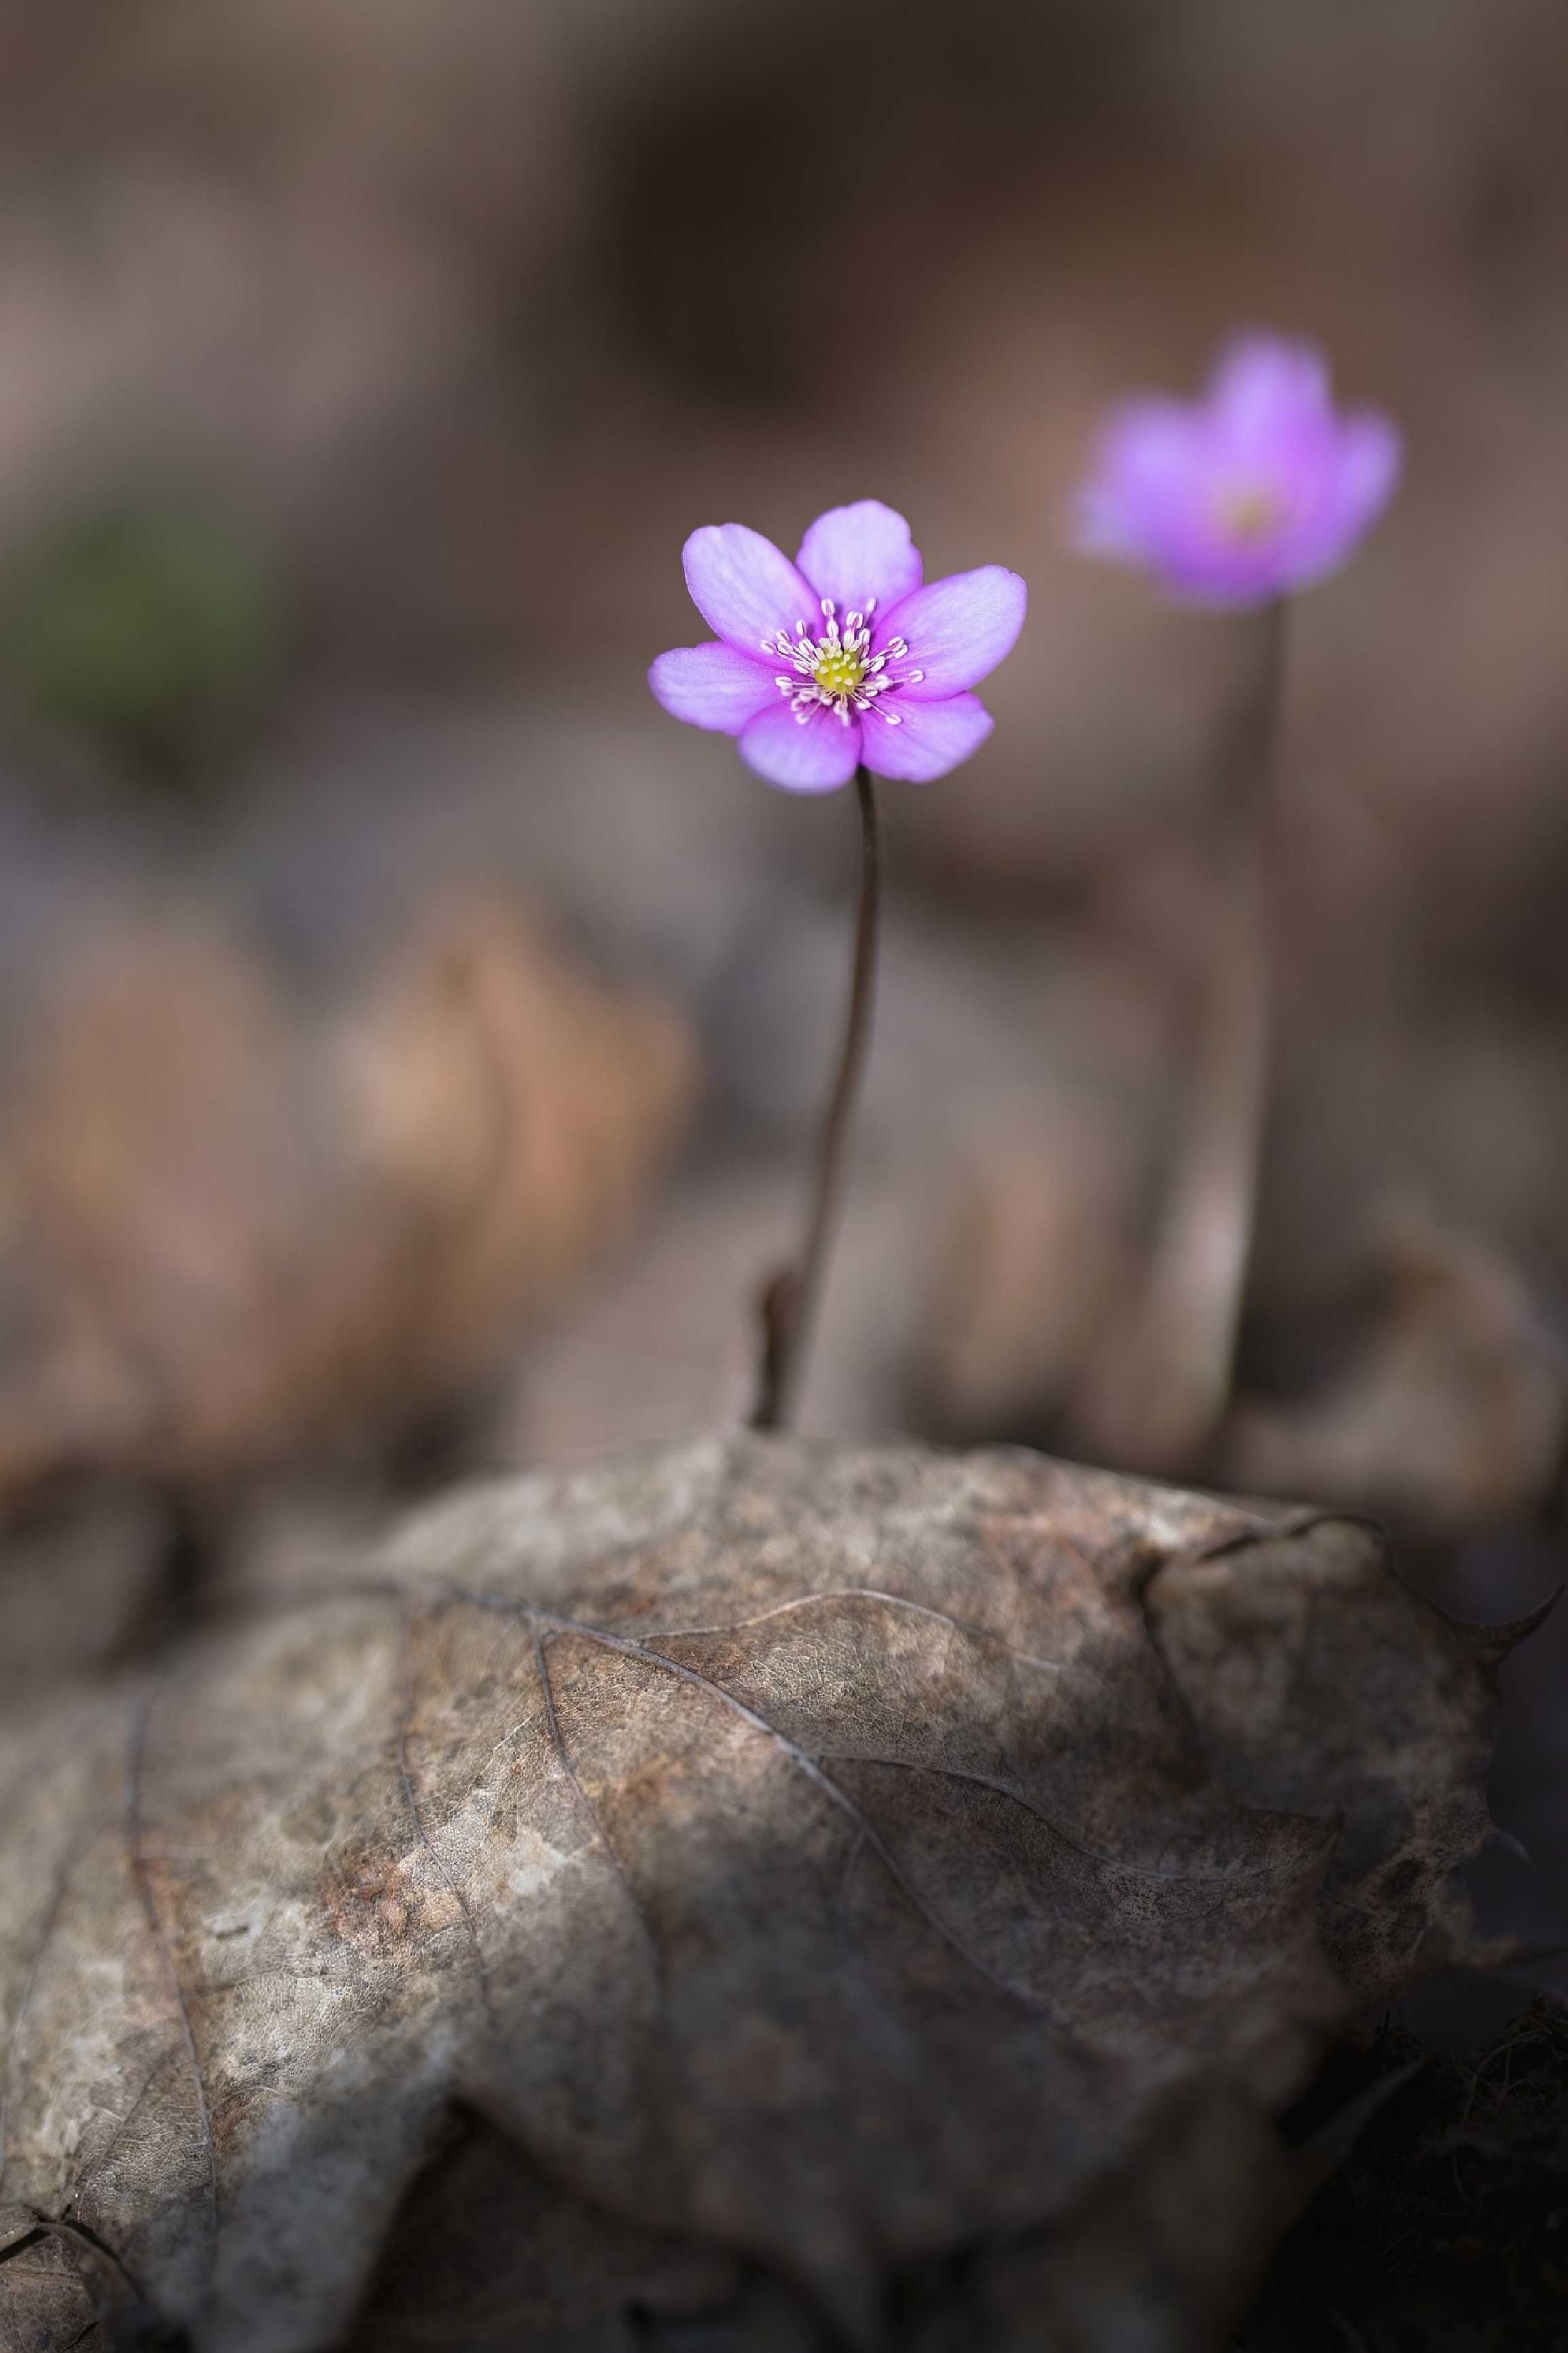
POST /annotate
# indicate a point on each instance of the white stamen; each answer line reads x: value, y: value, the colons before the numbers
x: 847, y: 646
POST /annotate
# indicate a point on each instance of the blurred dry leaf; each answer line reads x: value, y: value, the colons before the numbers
x: 1454, y: 1416
x: 1095, y: 1270
x: 1039, y: 1245
x: 85, y: 1575
x: 237, y: 1232
x: 1157, y: 1379
x: 865, y: 1896
x: 660, y: 1345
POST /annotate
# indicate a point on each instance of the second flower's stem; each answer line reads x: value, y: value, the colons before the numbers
x: 1167, y: 1389
x: 1207, y: 1241
x: 790, y: 1301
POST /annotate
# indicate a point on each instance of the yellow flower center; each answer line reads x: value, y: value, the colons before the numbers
x: 837, y: 670
x: 1250, y: 512
x: 831, y: 667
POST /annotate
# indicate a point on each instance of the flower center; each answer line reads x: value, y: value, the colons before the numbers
x: 833, y: 667
x: 1251, y: 512
x: 838, y: 672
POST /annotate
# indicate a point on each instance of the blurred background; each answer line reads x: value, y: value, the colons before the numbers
x: 411, y: 1041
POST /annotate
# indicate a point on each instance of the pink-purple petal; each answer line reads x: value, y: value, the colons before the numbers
x: 957, y: 630
x: 714, y: 685
x: 1142, y: 485
x: 856, y: 553
x: 1265, y: 386
x: 930, y: 739
x: 1149, y: 444
x: 816, y: 757
x: 1257, y: 489
x: 1371, y: 460
x: 1350, y: 489
x: 1215, y: 572
x: 745, y: 588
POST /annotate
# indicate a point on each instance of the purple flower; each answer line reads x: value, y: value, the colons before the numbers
x: 1259, y: 489
x: 842, y: 656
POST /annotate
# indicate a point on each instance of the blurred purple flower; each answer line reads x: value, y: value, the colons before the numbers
x: 842, y: 656
x: 1254, y: 490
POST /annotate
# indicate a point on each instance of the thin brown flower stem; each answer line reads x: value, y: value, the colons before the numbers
x: 1188, y: 1333
x: 790, y: 1301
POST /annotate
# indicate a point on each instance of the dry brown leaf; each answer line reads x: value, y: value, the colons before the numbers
x: 880, y: 1896
x: 1455, y: 1414
x: 232, y: 1234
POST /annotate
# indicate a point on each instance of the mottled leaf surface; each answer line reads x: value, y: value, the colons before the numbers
x: 746, y: 1893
